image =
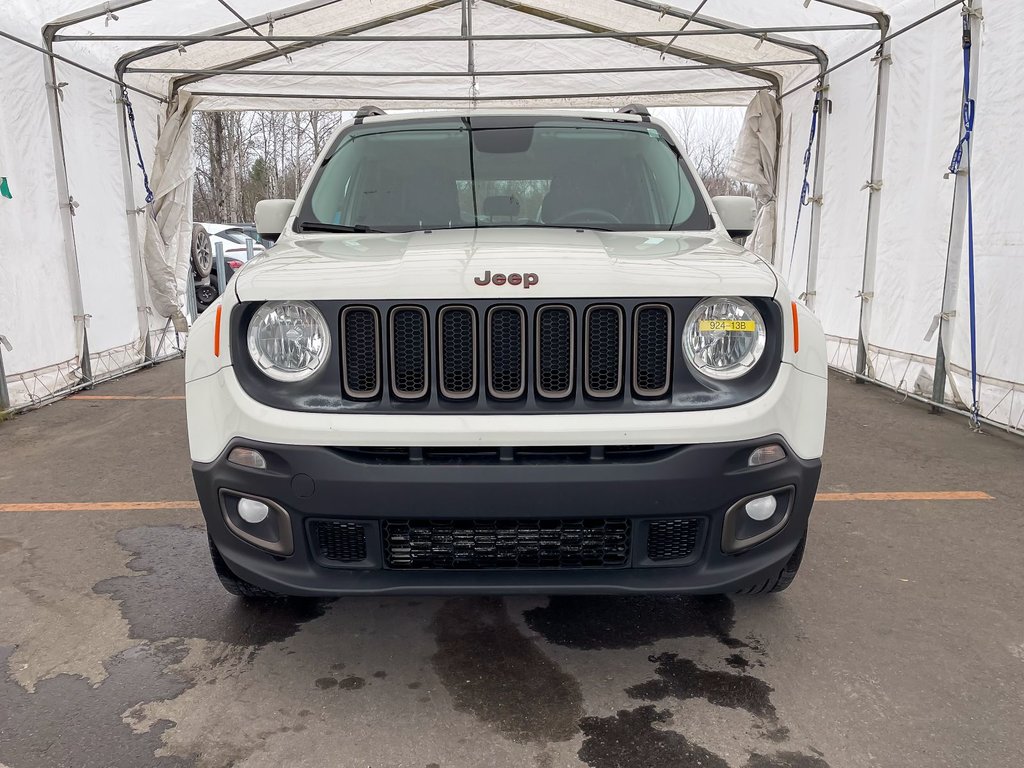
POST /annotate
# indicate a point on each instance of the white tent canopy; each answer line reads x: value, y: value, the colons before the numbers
x: 86, y: 287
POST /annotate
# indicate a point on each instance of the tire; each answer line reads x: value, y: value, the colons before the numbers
x: 202, y: 252
x: 205, y: 295
x: 233, y: 584
x: 788, y: 574
x: 780, y: 581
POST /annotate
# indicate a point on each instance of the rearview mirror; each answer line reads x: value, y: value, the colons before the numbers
x: 737, y: 213
x: 271, y: 216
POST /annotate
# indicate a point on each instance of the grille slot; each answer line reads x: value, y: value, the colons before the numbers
x: 409, y: 352
x: 360, y: 352
x: 673, y: 539
x: 652, y: 350
x: 555, y: 344
x: 338, y: 541
x: 506, y: 543
x: 603, y: 359
x: 506, y: 352
x: 457, y: 356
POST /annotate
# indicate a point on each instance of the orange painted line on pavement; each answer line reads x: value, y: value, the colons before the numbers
x: 124, y: 506
x: 126, y: 397
x: 907, y: 496
x: 98, y: 506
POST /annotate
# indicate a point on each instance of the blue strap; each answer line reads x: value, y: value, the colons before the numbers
x: 806, y: 187
x: 964, y: 147
x: 138, y: 149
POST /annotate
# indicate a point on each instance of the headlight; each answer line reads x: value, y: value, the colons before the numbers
x: 724, y: 337
x: 288, y: 340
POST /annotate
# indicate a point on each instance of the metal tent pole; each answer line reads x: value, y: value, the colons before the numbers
x: 958, y: 220
x: 874, y: 187
x: 67, y: 205
x: 5, y: 396
x: 138, y: 275
x: 817, y: 199
x: 467, y: 32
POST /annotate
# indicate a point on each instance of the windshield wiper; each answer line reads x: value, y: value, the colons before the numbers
x: 563, y: 226
x: 319, y: 226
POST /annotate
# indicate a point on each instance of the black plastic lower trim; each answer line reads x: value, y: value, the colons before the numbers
x: 695, y: 481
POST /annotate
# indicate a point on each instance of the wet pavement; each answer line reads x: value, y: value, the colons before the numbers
x: 900, y: 644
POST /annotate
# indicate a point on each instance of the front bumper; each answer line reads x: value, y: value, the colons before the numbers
x: 696, y: 481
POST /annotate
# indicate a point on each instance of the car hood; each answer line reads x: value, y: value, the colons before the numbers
x: 454, y: 264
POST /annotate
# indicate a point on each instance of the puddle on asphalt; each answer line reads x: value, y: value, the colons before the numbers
x: 589, y: 623
x: 489, y: 668
x: 176, y: 594
x: 630, y: 738
x: 500, y: 676
x: 68, y: 722
x: 682, y: 679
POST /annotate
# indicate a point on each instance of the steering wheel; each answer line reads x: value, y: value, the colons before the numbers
x: 589, y: 216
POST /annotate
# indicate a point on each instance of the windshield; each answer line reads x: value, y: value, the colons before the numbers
x: 503, y: 172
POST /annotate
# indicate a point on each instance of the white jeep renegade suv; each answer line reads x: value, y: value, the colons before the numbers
x: 506, y: 353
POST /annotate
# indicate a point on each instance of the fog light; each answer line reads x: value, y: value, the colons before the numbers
x: 253, y: 511
x: 766, y: 454
x: 247, y: 457
x: 759, y: 509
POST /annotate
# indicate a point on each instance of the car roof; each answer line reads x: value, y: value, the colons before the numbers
x: 555, y: 113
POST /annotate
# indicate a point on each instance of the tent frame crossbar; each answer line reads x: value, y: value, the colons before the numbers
x: 770, y: 35
x: 506, y: 97
x: 522, y: 36
x: 739, y: 65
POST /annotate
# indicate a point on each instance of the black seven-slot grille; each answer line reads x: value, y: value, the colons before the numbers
x: 512, y: 543
x: 517, y: 350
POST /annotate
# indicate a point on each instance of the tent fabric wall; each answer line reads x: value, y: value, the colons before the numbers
x: 35, y: 296
x: 923, y: 125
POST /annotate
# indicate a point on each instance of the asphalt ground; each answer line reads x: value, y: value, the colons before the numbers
x: 900, y: 644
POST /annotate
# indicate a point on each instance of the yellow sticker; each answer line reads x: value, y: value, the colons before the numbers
x: 742, y: 326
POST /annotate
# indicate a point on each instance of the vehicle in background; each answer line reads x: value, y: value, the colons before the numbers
x: 204, y: 249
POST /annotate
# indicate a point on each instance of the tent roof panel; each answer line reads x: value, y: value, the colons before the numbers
x: 773, y: 41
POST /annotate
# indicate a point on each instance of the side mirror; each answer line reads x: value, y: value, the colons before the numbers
x: 271, y: 216
x: 737, y: 213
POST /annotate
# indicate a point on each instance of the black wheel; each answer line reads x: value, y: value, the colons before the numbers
x: 232, y: 583
x: 792, y: 566
x: 202, y: 251
x: 780, y: 581
x: 205, y: 295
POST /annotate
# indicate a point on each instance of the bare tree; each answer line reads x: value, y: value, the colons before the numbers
x: 244, y: 157
x: 708, y: 136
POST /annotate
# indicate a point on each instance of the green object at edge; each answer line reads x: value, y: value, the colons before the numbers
x: 5, y: 191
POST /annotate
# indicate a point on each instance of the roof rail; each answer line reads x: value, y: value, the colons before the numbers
x: 368, y: 111
x: 636, y: 109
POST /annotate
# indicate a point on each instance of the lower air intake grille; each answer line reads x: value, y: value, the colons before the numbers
x: 338, y: 540
x: 673, y: 539
x: 470, y: 544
